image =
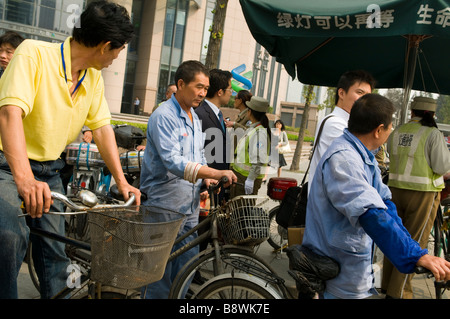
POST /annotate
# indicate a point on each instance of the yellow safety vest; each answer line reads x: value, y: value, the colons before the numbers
x: 243, y: 160
x: 408, y: 167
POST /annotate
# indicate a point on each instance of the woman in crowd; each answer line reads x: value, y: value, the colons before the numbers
x: 280, y: 132
x: 252, y: 151
x: 242, y: 119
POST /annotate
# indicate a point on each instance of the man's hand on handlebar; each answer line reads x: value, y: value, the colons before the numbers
x: 36, y: 196
x: 228, y: 178
x: 437, y: 265
x: 125, y: 189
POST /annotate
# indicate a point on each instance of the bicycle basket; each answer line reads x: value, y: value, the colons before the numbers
x: 245, y: 220
x: 130, y: 246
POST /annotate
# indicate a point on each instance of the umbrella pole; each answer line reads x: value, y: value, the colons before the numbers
x: 410, y: 69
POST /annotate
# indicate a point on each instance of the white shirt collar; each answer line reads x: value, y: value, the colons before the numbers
x: 215, y: 109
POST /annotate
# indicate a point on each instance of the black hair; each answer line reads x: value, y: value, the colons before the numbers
x: 368, y: 112
x: 218, y: 80
x: 188, y: 69
x: 104, y: 21
x: 282, y: 124
x: 12, y: 38
x: 263, y: 119
x: 349, y: 78
x: 244, y: 95
x: 427, y: 117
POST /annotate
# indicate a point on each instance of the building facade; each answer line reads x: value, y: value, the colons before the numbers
x: 167, y: 33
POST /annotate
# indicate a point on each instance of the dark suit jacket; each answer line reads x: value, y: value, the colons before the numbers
x: 209, y: 119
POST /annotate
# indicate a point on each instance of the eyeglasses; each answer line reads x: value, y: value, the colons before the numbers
x: 231, y: 90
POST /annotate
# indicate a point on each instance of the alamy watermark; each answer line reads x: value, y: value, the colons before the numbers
x: 73, y: 20
x: 74, y: 277
x: 374, y: 19
x: 260, y: 150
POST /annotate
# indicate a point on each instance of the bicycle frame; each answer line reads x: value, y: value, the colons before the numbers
x: 212, y: 231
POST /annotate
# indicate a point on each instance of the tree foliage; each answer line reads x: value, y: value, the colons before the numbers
x: 443, y: 109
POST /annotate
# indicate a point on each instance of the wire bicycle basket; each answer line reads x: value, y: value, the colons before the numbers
x: 130, y: 246
x: 245, y: 220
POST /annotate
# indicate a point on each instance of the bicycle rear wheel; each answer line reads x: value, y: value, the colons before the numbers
x: 236, y: 287
x: 277, y: 234
x: 202, y: 268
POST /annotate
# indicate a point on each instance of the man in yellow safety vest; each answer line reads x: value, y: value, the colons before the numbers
x: 419, y: 158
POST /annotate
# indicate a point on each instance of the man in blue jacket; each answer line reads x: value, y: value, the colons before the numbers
x: 349, y: 207
x: 174, y: 165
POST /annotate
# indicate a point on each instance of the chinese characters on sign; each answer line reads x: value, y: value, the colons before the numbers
x: 405, y: 139
x: 429, y: 15
x: 287, y: 20
x: 375, y: 18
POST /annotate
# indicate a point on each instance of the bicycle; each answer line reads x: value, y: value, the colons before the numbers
x: 439, y: 244
x: 88, y: 173
x: 309, y: 270
x: 223, y: 286
x: 232, y: 240
x: 128, y: 249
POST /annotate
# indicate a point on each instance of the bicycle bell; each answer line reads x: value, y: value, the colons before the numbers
x: 88, y: 198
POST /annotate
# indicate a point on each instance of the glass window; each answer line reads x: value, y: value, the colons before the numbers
x: 136, y: 18
x: 132, y: 57
x: 46, y: 14
x: 20, y: 11
x: 173, y: 40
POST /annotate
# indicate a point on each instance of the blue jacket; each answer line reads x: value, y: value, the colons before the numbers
x: 172, y: 141
x: 348, y: 208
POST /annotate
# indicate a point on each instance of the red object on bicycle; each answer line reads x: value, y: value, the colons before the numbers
x: 277, y: 187
x: 204, y: 207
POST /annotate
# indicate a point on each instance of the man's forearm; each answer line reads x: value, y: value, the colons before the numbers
x: 14, y: 144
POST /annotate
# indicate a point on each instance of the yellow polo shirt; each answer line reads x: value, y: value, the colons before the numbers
x: 35, y: 81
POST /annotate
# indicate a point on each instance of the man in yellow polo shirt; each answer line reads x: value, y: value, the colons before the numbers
x: 47, y: 93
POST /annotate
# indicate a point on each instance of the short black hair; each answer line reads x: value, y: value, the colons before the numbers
x: 104, y: 21
x: 12, y: 38
x: 218, y: 80
x: 349, y: 78
x: 188, y: 69
x: 368, y: 112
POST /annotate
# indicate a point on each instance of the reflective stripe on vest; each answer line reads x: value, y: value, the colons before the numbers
x: 243, y: 165
x: 409, y: 168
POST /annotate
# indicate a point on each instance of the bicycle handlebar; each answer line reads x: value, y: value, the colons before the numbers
x: 422, y: 270
x: 221, y: 182
x: 79, y: 209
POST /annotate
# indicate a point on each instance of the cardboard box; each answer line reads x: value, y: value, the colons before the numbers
x: 295, y: 235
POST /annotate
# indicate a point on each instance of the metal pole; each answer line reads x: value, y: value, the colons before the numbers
x: 410, y: 69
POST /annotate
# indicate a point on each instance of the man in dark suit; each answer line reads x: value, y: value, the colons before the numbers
x: 213, y: 125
